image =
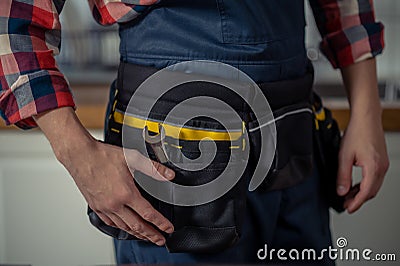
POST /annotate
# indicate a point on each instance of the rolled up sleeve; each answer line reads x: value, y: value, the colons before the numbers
x: 31, y: 83
x: 349, y: 31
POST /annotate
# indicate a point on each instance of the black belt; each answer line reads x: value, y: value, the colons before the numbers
x: 279, y: 94
x: 286, y: 98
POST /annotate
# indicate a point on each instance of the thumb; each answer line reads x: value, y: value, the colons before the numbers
x: 344, y: 178
x: 148, y: 167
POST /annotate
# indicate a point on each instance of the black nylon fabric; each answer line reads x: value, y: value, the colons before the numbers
x: 215, y: 226
x: 279, y: 94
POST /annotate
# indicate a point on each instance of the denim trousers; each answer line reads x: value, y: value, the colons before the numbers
x: 295, y: 217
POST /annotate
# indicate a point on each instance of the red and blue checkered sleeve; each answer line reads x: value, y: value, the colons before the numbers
x: 349, y: 31
x: 30, y: 81
x: 110, y: 12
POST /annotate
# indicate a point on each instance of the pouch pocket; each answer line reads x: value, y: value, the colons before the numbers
x: 294, y: 146
x: 205, y: 228
x: 327, y: 139
x: 213, y: 226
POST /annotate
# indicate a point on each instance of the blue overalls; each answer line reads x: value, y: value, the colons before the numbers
x: 264, y: 39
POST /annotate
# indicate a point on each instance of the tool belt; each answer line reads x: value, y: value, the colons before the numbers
x: 327, y: 137
x: 215, y: 226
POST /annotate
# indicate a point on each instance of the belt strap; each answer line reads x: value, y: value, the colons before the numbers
x: 177, y: 132
x: 131, y: 76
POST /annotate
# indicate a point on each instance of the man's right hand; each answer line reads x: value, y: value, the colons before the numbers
x: 103, y: 177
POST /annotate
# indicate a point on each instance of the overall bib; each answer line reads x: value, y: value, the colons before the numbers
x: 264, y: 39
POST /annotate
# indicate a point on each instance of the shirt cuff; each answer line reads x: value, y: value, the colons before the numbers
x: 32, y: 94
x: 353, y: 44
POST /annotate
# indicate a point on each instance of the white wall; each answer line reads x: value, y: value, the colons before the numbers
x: 375, y: 225
x: 44, y: 218
x: 2, y: 220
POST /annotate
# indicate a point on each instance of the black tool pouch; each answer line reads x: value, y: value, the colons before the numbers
x: 327, y: 139
x: 206, y: 228
x: 215, y: 226
x: 291, y: 103
x: 293, y: 160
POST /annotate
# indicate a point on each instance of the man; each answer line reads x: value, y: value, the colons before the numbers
x: 265, y: 39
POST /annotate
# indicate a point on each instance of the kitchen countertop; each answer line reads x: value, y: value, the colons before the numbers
x: 91, y: 101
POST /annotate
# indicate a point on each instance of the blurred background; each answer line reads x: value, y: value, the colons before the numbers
x: 42, y: 214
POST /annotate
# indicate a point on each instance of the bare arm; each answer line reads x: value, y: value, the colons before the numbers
x: 33, y: 92
x: 363, y: 143
x: 102, y: 175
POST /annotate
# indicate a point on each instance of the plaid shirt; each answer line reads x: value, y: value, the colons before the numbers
x: 31, y: 83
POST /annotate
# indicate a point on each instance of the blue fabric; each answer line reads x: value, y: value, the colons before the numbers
x: 296, y: 217
x: 265, y: 39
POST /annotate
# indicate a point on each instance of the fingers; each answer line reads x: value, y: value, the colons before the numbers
x: 369, y: 186
x: 141, y: 206
x: 130, y: 222
x: 149, y: 167
x: 122, y: 225
x: 350, y: 196
x: 125, y: 208
x: 373, y: 172
x: 106, y: 220
x: 147, y: 212
x: 344, y: 178
x: 132, y: 213
x: 138, y: 226
x: 131, y: 198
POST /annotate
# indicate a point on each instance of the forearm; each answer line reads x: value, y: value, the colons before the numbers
x: 360, y: 80
x: 64, y: 131
x: 363, y: 143
x: 102, y: 175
